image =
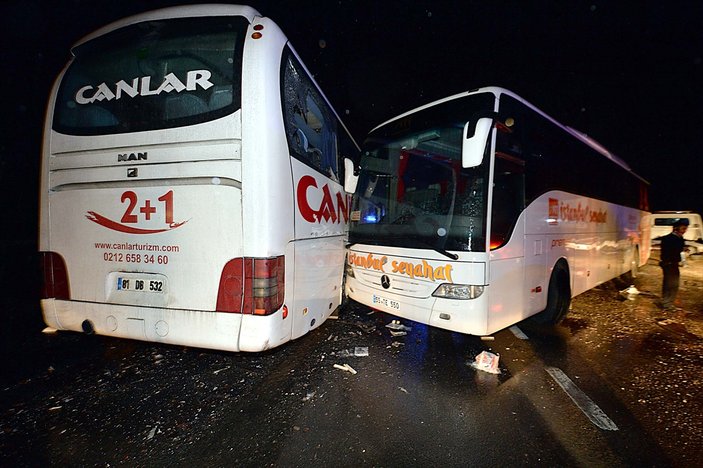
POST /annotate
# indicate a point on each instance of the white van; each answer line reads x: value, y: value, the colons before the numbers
x: 662, y: 224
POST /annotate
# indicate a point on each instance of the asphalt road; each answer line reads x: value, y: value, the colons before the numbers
x: 617, y: 384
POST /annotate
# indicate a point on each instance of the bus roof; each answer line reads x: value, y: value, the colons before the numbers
x: 184, y: 11
x: 497, y: 91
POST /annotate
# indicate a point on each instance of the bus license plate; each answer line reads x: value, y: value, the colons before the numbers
x: 385, y: 302
x: 140, y: 285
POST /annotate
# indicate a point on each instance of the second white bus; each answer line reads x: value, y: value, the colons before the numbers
x: 191, y: 190
x: 479, y: 210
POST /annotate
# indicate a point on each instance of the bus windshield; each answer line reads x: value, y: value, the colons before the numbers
x: 413, y: 191
x: 153, y: 75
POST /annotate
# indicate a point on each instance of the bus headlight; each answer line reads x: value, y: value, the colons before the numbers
x: 458, y: 291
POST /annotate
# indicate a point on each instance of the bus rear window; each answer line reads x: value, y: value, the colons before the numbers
x: 153, y: 75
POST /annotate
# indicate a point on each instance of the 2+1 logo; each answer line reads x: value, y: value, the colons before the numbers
x: 146, y: 210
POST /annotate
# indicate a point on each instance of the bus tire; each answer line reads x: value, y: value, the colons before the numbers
x: 558, y: 297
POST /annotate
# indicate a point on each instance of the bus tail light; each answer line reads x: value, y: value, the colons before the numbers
x: 54, y: 277
x: 252, y: 285
x: 458, y: 291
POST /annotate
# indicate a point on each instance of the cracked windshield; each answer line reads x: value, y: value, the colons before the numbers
x: 413, y: 191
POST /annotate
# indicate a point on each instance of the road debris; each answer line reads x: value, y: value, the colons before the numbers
x: 402, y: 390
x: 358, y: 351
x: 629, y: 293
x: 677, y: 328
x: 398, y: 333
x: 487, y: 362
x: 361, y: 351
x: 345, y: 367
x: 368, y: 328
x: 308, y: 396
x: 396, y: 325
x: 220, y: 370
x: 519, y: 334
x: 152, y: 432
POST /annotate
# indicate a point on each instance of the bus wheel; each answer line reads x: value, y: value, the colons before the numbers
x: 558, y: 297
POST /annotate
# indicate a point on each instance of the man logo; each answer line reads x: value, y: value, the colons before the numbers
x: 121, y: 157
x: 385, y: 282
x: 132, y: 172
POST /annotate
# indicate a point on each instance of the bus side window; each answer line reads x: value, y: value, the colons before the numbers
x: 311, y: 127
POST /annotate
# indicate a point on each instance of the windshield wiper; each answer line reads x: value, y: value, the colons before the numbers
x: 440, y: 250
x: 422, y: 243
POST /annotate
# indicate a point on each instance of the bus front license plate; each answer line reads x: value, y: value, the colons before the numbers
x: 385, y: 302
x: 141, y: 285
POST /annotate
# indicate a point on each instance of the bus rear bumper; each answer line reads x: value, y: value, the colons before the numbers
x: 201, y: 329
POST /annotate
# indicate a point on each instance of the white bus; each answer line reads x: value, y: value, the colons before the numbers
x: 477, y: 211
x: 191, y: 190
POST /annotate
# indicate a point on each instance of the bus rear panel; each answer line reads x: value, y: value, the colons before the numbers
x: 165, y: 216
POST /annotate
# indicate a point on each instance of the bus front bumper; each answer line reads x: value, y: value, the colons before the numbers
x: 464, y: 316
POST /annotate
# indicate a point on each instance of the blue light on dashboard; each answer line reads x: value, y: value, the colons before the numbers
x: 370, y: 219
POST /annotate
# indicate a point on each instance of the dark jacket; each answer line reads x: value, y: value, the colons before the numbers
x: 671, y: 248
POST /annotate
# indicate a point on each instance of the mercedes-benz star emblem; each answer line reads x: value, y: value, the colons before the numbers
x: 385, y: 282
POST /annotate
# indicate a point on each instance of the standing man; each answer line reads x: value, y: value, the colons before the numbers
x: 671, y: 247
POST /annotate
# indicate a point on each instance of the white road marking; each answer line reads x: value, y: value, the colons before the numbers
x: 518, y: 333
x: 585, y: 404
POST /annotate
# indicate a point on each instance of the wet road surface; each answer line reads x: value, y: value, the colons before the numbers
x: 617, y: 384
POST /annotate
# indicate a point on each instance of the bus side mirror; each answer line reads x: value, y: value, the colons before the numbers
x: 351, y: 176
x: 475, y: 137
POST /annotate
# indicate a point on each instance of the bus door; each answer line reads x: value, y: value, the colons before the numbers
x: 519, y: 236
x: 507, y: 239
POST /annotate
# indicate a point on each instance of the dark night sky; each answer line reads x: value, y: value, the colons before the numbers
x: 629, y: 76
